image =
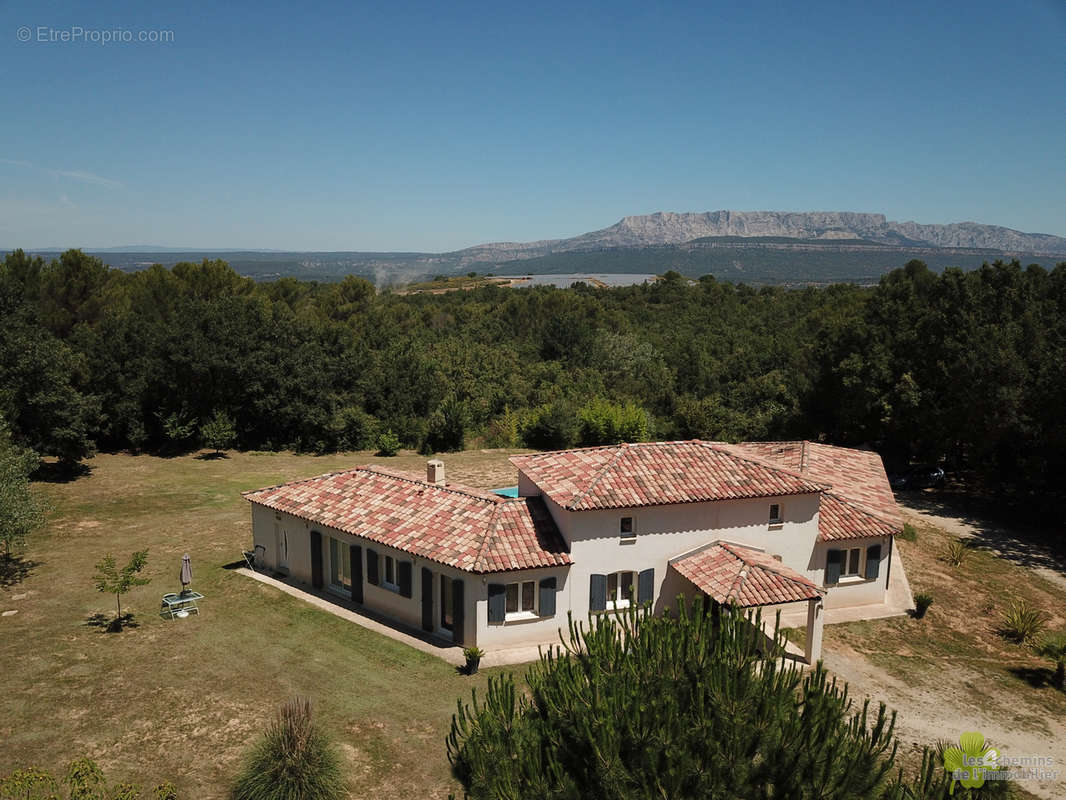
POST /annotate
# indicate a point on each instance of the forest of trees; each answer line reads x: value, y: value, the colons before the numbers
x: 965, y: 368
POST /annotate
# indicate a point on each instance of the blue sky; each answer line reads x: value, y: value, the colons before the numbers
x: 397, y: 126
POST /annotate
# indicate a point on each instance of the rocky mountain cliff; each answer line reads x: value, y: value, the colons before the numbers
x: 667, y: 227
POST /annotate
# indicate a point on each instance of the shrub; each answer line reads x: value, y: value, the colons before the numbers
x: 604, y: 422
x: 294, y: 760
x: 958, y: 552
x: 1022, y: 623
x: 84, y: 780
x: 552, y: 427
x: 1054, y: 647
x: 922, y: 601
x: 910, y: 533
x: 388, y: 444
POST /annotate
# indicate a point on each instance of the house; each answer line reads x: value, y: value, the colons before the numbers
x: 759, y: 524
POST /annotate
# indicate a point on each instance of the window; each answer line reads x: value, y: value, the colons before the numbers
x: 853, y: 562
x: 390, y: 572
x: 620, y: 589
x: 626, y: 532
x: 447, y: 602
x: 775, y: 514
x: 521, y: 599
x: 340, y: 565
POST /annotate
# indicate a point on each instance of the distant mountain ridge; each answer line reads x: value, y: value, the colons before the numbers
x: 668, y: 227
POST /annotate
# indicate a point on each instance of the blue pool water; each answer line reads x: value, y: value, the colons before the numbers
x: 507, y: 491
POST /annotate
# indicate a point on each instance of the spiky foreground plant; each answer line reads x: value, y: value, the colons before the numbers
x: 681, y: 707
x: 294, y: 760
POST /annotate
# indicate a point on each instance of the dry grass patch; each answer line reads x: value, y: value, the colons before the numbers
x: 182, y: 700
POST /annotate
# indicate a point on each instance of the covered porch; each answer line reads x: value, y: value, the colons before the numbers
x: 744, y: 577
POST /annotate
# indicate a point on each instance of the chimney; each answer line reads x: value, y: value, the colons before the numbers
x: 435, y: 471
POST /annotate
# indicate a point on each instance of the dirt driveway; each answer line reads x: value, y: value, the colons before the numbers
x: 939, y: 683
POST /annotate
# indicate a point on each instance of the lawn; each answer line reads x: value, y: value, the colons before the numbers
x: 182, y: 700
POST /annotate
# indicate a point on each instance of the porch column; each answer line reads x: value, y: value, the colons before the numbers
x: 813, y: 650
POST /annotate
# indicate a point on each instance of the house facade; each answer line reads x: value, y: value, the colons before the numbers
x: 592, y: 530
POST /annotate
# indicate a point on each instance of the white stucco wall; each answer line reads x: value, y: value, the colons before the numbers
x: 514, y: 633
x: 407, y: 611
x: 666, y: 532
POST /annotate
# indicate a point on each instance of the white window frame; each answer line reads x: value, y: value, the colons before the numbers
x: 615, y: 599
x: 394, y: 584
x: 339, y: 551
x: 779, y: 519
x: 860, y: 570
x: 521, y: 613
x: 630, y: 535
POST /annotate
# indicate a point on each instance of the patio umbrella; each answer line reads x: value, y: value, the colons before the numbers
x: 186, y: 572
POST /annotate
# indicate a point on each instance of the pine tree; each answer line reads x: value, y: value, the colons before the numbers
x: 683, y: 706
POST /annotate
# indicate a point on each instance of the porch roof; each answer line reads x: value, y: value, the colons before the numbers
x: 742, y: 576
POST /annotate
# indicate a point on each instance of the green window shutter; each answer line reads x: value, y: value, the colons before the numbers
x: 497, y: 603
x: 873, y: 561
x: 355, y: 552
x: 316, y: 559
x: 546, y: 602
x: 833, y: 559
x: 405, y: 568
x: 646, y: 587
x: 427, y: 599
x: 458, y: 607
x: 371, y: 567
x: 597, y: 592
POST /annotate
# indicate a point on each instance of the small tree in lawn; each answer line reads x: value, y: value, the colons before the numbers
x: 219, y: 432
x: 111, y: 580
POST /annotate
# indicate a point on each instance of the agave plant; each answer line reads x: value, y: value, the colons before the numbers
x: 958, y: 551
x: 1022, y: 622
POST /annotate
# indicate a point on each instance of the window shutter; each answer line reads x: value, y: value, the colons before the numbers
x: 597, y: 592
x: 355, y: 552
x: 832, y: 565
x: 316, y: 559
x: 646, y: 587
x: 405, y: 578
x: 371, y: 567
x: 547, y: 597
x: 497, y: 603
x: 873, y: 561
x: 427, y: 599
x: 457, y: 611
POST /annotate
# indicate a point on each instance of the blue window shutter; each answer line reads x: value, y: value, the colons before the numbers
x: 873, y: 561
x: 404, y: 578
x: 371, y: 567
x: 427, y: 599
x: 458, y: 609
x: 316, y: 559
x: 356, y: 554
x: 547, y: 597
x: 833, y: 559
x: 597, y: 592
x: 497, y: 603
x: 646, y: 587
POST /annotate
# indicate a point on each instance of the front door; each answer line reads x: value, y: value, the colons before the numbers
x: 281, y: 548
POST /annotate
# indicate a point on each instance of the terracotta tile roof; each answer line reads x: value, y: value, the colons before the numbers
x: 464, y: 528
x: 743, y: 576
x: 859, y: 501
x: 656, y: 473
x: 838, y: 520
